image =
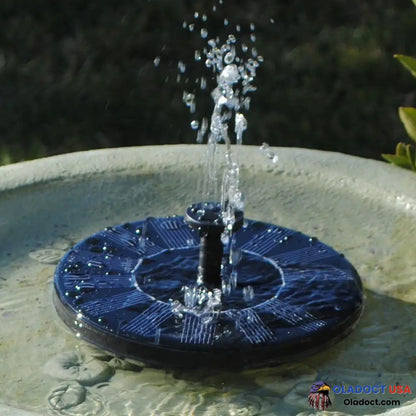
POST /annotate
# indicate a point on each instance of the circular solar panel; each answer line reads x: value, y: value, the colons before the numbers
x: 132, y: 290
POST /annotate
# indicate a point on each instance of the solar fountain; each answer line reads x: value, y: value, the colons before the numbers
x: 210, y: 289
x: 154, y: 290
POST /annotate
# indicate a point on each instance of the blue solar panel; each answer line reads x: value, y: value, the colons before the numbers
x: 134, y: 287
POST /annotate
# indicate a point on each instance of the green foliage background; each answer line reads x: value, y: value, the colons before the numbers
x: 77, y: 75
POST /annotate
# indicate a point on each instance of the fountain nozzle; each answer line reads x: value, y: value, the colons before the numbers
x: 207, y: 218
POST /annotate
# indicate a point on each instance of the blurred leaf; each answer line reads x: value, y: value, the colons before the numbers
x: 401, y: 149
x: 5, y: 157
x: 405, y: 156
x: 411, y: 155
x: 400, y: 161
x: 408, y: 118
x: 408, y: 62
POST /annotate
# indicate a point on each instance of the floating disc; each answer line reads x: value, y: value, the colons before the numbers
x: 131, y: 290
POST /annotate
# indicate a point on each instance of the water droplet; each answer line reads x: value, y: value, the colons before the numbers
x: 225, y: 288
x: 200, y: 213
x: 240, y: 127
x: 233, y: 279
x: 235, y: 256
x: 231, y: 39
x: 212, y: 43
x: 229, y: 75
x: 204, y: 33
x: 272, y: 156
x: 191, y: 27
x: 248, y: 293
x: 229, y: 58
x: 202, y: 130
x: 156, y: 61
x: 271, y: 20
x: 252, y: 27
x: 244, y: 47
x: 204, y: 17
x: 184, y: 25
x: 196, y: 15
x: 225, y: 48
x: 198, y: 55
x: 194, y: 124
x: 181, y: 67
x: 253, y: 37
x: 254, y: 52
x: 189, y: 100
x: 226, y: 22
x: 237, y: 28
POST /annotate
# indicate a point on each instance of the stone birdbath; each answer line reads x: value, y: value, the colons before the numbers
x: 363, y: 208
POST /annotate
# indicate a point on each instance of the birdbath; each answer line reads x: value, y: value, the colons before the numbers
x: 362, y: 208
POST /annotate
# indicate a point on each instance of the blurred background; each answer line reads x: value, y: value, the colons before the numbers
x: 78, y: 75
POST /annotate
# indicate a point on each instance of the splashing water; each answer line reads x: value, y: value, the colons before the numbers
x: 233, y: 66
x: 272, y: 156
x: 234, y: 77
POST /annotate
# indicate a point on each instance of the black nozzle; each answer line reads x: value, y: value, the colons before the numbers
x: 207, y: 219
